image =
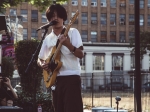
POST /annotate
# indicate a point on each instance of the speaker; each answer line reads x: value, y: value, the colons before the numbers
x: 3, y: 25
x: 10, y: 109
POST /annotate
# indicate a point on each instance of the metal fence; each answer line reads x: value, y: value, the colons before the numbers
x: 101, y: 89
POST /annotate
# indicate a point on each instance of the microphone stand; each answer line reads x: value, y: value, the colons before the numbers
x: 35, y: 53
x: 33, y: 60
x: 117, y: 102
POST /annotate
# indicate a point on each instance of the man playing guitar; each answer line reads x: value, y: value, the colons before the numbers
x: 67, y: 94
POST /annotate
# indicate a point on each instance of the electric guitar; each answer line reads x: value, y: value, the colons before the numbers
x: 54, y: 58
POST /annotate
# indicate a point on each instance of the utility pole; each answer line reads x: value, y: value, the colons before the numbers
x: 137, y: 59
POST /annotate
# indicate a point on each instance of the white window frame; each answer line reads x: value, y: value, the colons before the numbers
x: 94, y: 4
x: 83, y: 3
x: 74, y: 3
x: 103, y: 4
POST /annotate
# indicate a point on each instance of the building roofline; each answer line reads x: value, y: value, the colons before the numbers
x: 106, y: 44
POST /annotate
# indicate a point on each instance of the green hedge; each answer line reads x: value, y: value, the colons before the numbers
x: 30, y: 81
x: 24, y: 51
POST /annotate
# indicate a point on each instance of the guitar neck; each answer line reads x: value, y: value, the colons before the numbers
x: 66, y: 33
x: 59, y: 45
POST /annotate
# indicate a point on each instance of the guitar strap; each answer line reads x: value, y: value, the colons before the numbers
x: 62, y: 32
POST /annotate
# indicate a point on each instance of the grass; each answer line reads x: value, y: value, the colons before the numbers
x: 127, y: 100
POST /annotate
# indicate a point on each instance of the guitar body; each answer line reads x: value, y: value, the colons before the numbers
x: 54, y: 59
x: 55, y: 65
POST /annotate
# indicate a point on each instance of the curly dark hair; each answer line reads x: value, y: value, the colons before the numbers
x: 60, y: 10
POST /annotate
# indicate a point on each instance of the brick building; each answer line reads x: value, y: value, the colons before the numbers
x: 106, y: 27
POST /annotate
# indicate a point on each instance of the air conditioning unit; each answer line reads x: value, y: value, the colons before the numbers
x: 74, y: 3
x: 122, y: 5
x: 122, y: 23
x: 34, y: 20
x: 148, y: 5
x: 94, y: 22
x: 103, y: 4
x: 84, y: 3
x: 94, y: 4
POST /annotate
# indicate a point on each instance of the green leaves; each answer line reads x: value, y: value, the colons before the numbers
x: 144, y: 43
x: 40, y: 4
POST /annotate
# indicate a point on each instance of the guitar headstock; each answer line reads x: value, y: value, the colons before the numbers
x: 74, y: 17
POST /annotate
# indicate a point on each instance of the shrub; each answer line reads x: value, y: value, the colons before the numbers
x: 7, y: 67
x: 30, y: 80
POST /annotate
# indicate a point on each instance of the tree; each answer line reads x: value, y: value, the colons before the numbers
x: 24, y: 51
x: 144, y: 43
x: 40, y: 4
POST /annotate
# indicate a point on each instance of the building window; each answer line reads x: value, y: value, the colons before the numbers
x: 141, y: 4
x: 112, y: 19
x: 141, y: 20
x: 93, y: 36
x: 25, y: 34
x: 84, y: 35
x: 82, y: 63
x: 84, y: 17
x: 117, y: 62
x: 42, y: 32
x: 34, y: 33
x: 131, y: 36
x: 122, y: 3
x: 112, y: 36
x: 131, y: 4
x: 94, y: 18
x: 94, y: 3
x: 148, y: 24
x: 131, y: 19
x: 103, y: 19
x: 103, y: 36
x: 122, y: 36
x: 24, y: 14
x: 148, y: 4
x: 76, y: 21
x: 103, y: 3
x: 98, y: 61
x: 13, y: 12
x: 34, y: 16
x: 122, y: 19
x: 44, y: 19
x: 74, y: 2
x: 113, y: 3
x: 84, y: 3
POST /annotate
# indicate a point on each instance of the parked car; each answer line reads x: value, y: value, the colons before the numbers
x: 115, y: 86
x: 146, y: 87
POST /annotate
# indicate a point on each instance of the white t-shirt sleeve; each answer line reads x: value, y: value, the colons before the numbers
x: 76, y: 38
x: 43, y: 54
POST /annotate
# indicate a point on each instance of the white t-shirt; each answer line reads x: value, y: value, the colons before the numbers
x: 70, y: 63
